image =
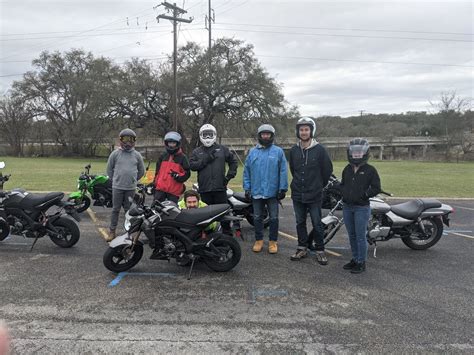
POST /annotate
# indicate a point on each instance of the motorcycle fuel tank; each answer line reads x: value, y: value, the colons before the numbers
x: 379, y: 206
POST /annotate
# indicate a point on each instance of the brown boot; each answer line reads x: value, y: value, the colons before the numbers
x: 111, y: 236
x: 258, y: 246
x: 273, y: 247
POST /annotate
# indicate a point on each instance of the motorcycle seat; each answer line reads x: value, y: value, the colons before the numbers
x: 41, y: 201
x: 198, y: 215
x: 412, y: 209
x: 241, y: 197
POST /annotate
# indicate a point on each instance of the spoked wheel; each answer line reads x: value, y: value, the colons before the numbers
x: 433, y: 231
x: 81, y: 204
x: 226, y: 256
x: 67, y: 232
x: 123, y: 257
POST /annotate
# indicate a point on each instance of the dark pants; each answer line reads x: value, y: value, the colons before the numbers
x: 301, y: 212
x: 214, y: 198
x: 258, y: 208
x: 162, y: 196
x: 356, y: 219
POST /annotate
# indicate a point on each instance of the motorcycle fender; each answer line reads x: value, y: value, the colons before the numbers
x: 123, y: 239
x: 75, y: 195
x: 329, y: 220
x: 231, y: 218
x: 439, y: 211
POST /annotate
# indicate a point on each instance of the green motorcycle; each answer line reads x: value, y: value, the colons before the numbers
x: 91, y: 187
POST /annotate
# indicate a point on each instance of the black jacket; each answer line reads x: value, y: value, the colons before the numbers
x: 358, y: 187
x: 210, y: 163
x: 311, y: 169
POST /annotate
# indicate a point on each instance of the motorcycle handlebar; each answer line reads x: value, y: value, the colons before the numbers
x: 386, y: 193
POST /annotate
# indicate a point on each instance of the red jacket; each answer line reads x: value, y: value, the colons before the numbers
x: 167, y: 164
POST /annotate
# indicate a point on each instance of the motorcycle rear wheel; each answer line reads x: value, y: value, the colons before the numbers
x: 230, y: 254
x: 81, y: 204
x: 123, y: 257
x: 433, y: 227
x: 68, y: 230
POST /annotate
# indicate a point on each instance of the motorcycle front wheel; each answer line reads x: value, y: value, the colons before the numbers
x: 434, y: 231
x: 81, y: 204
x: 122, y: 257
x: 68, y: 232
x: 227, y: 254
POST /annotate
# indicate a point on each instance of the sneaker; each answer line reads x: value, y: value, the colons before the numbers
x: 272, y: 247
x: 111, y: 235
x: 300, y: 254
x: 258, y: 246
x: 359, y: 268
x: 321, y: 257
x: 350, y: 265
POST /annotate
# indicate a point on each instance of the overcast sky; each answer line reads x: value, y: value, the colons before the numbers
x: 331, y: 57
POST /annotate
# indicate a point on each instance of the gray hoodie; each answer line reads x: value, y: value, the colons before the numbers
x: 125, y: 168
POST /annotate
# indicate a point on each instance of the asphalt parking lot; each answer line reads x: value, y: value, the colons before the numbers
x: 64, y: 300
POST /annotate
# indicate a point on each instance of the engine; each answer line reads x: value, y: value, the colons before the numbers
x: 376, y: 230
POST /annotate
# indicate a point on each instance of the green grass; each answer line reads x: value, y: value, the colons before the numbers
x: 402, y: 178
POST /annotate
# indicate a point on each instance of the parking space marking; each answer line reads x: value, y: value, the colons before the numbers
x: 259, y: 292
x: 121, y: 275
x: 464, y: 208
x: 462, y: 235
x: 289, y: 236
x: 92, y: 215
x: 103, y: 232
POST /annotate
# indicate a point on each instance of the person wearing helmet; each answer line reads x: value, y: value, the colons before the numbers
x: 265, y: 182
x: 209, y: 160
x: 124, y: 167
x: 311, y: 168
x: 172, y: 170
x: 360, y: 181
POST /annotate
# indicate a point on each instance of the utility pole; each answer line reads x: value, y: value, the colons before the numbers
x: 209, y: 20
x: 361, y: 112
x: 177, y: 11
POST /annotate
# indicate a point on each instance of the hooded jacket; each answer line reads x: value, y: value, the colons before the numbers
x: 125, y: 168
x: 311, y: 168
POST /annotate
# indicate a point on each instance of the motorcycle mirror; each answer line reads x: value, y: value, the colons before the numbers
x: 2, y: 164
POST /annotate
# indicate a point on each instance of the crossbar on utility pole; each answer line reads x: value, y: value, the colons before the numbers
x: 177, y: 11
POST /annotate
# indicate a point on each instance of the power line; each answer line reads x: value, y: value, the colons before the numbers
x: 350, y: 36
x: 347, y: 29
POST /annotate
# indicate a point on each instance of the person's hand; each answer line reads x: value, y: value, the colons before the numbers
x: 281, y: 195
x: 248, y: 195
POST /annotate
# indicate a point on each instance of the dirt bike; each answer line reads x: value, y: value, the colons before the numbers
x: 174, y: 233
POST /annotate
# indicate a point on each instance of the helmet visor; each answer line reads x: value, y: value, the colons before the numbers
x: 357, y: 151
x: 207, y: 134
x: 128, y: 139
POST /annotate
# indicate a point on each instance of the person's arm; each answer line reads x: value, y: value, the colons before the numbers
x: 141, y: 167
x: 327, y: 168
x: 196, y: 163
x: 187, y: 172
x: 246, y: 177
x: 283, y: 172
x: 374, y: 186
x: 233, y: 164
x: 111, y: 165
x: 291, y: 162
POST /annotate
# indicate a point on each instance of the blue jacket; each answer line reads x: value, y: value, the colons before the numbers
x: 265, y: 171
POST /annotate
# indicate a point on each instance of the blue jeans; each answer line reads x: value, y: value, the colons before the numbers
x: 356, y: 219
x: 301, y: 213
x: 258, y: 207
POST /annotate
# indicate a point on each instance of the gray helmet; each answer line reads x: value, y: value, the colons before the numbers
x: 127, y: 132
x: 358, y: 151
x: 266, y: 128
x: 172, y: 137
x: 306, y: 121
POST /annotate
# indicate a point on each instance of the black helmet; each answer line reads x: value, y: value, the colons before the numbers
x: 358, y: 151
x: 306, y: 121
x: 266, y: 128
x: 172, y: 137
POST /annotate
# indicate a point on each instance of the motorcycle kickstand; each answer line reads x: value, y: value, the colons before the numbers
x: 375, y: 250
x: 34, y: 242
x: 191, y: 268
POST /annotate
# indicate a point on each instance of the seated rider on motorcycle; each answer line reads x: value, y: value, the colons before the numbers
x: 192, y: 199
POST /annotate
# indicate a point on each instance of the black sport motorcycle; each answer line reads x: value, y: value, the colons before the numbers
x: 174, y: 233
x: 26, y: 214
x: 332, y: 194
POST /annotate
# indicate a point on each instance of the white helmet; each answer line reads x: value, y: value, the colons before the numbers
x: 306, y: 121
x: 208, y: 135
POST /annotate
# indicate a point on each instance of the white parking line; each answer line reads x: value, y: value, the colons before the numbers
x: 462, y: 235
x: 289, y: 236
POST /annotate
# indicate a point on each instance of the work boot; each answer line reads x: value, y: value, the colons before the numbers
x: 321, y: 257
x: 111, y: 235
x: 300, y: 254
x: 350, y: 265
x: 272, y: 247
x: 358, y: 268
x: 258, y: 246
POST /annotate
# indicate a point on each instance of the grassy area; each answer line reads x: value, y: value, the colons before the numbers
x: 402, y: 178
